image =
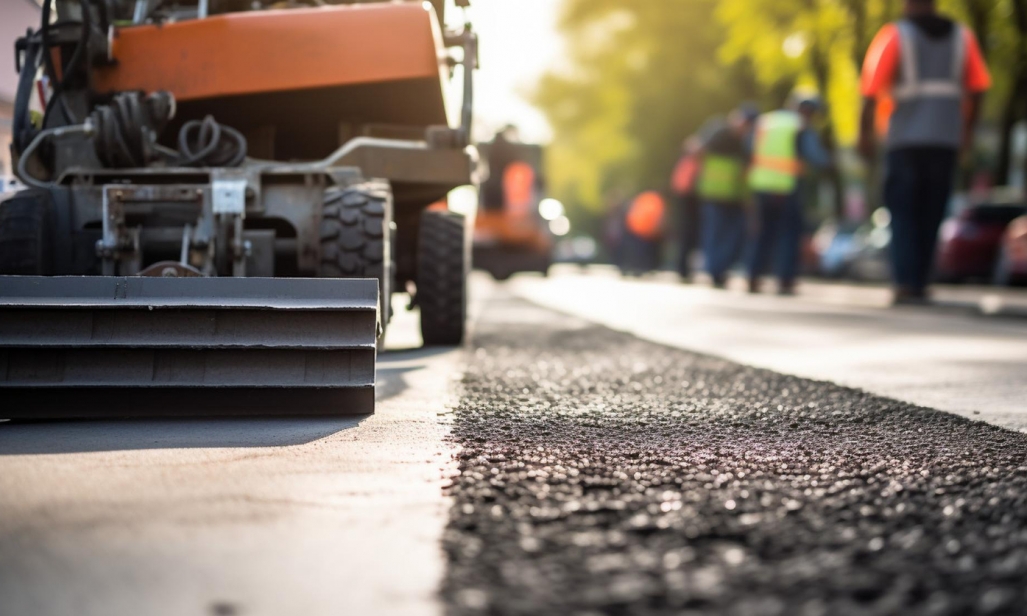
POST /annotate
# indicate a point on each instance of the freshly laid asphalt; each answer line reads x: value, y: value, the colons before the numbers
x: 603, y: 474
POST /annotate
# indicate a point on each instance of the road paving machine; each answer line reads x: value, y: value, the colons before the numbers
x: 510, y: 233
x: 221, y: 197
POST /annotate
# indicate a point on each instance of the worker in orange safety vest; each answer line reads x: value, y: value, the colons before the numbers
x: 931, y: 69
x: 643, y: 225
x: 683, y: 184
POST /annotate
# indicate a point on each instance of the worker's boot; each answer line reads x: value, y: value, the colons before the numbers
x: 754, y: 285
x: 786, y: 288
x: 908, y: 296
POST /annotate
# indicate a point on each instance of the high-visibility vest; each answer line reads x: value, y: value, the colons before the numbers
x: 929, y: 92
x: 722, y: 178
x: 682, y: 182
x: 645, y: 216
x: 776, y: 166
x: 518, y: 188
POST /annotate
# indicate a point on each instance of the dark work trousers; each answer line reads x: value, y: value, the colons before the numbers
x: 640, y: 255
x: 917, y: 188
x: 723, y: 235
x: 689, y: 224
x: 777, y: 237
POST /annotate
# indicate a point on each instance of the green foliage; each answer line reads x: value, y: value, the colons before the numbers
x: 640, y: 77
x: 820, y: 44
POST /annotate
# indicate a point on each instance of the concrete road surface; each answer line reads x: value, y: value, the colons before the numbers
x: 234, y: 516
x: 593, y: 472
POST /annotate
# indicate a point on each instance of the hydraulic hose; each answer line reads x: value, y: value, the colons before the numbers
x: 127, y: 128
x: 77, y: 58
x: 206, y: 143
x: 21, y: 122
x: 60, y: 131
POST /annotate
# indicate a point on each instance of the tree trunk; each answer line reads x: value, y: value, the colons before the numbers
x: 1013, y: 110
x: 1011, y: 113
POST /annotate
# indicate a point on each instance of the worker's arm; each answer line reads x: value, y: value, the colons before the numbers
x: 977, y: 82
x: 879, y: 70
x: 813, y: 152
x: 973, y: 112
x: 866, y: 127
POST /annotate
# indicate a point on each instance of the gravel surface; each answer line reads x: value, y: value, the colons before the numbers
x: 600, y: 474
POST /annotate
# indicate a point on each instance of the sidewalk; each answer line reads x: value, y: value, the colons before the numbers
x: 973, y: 299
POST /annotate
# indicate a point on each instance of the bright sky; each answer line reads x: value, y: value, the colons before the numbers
x: 518, y: 42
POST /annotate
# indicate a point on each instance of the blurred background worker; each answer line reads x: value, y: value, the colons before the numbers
x: 784, y: 145
x: 933, y: 69
x: 644, y: 232
x: 721, y: 188
x: 502, y: 152
x: 686, y: 202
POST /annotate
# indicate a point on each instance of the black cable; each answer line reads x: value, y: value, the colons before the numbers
x: 44, y: 31
x: 125, y: 131
x: 207, y: 143
x: 22, y: 122
x: 73, y: 64
x: 105, y: 20
x: 125, y: 135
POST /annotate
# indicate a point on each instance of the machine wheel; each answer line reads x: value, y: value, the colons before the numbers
x: 356, y: 238
x: 26, y: 235
x: 443, y: 261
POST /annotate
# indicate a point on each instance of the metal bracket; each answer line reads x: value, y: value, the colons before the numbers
x: 119, y: 248
x: 229, y: 196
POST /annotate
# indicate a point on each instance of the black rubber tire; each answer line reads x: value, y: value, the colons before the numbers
x: 26, y: 234
x: 443, y: 262
x: 356, y: 238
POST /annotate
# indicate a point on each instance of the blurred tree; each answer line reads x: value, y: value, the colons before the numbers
x: 820, y: 44
x: 640, y: 77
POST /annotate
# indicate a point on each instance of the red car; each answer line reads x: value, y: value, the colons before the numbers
x: 1011, y: 267
x: 969, y: 242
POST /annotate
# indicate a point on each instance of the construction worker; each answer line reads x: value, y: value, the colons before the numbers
x: 503, y: 152
x: 644, y: 225
x: 721, y: 188
x: 931, y: 69
x: 683, y: 187
x: 784, y: 145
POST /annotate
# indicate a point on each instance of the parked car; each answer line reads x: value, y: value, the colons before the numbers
x: 1011, y: 265
x: 835, y: 245
x: 969, y: 242
x: 855, y: 251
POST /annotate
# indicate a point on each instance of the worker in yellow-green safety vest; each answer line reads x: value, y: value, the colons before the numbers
x: 721, y: 189
x: 785, y: 144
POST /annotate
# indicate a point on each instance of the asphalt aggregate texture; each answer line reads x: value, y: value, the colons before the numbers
x: 602, y: 474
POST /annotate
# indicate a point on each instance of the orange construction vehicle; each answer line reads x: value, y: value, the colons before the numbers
x: 510, y: 234
x: 223, y: 195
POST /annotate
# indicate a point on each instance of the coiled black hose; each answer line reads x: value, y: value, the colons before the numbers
x: 205, y: 143
x: 125, y: 133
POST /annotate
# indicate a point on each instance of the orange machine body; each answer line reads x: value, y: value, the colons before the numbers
x: 509, y: 233
x: 277, y: 51
x: 298, y: 83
